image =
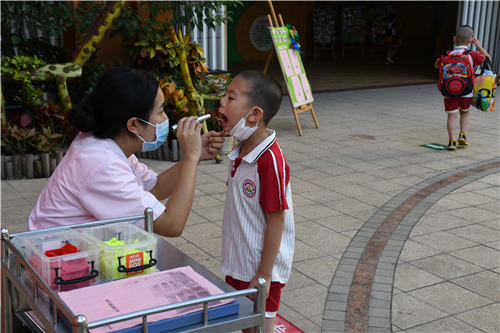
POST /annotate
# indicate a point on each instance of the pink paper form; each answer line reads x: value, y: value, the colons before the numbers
x: 295, y: 61
x: 124, y: 296
x: 305, y: 85
x: 297, y: 87
x: 286, y: 62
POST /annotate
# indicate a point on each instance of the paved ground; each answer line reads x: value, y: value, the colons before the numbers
x: 389, y: 235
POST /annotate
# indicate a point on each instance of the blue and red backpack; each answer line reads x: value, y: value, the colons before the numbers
x: 456, y: 75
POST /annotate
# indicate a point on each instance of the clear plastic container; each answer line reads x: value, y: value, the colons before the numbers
x: 64, y: 272
x: 126, y: 250
x: 28, y: 279
x: 19, y: 239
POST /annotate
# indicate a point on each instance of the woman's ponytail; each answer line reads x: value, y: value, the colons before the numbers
x: 83, y: 115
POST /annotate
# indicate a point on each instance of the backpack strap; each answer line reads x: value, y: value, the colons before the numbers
x: 467, y: 52
x: 444, y: 55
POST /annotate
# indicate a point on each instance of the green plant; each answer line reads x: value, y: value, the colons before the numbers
x: 197, y: 13
x: 182, y: 13
x: 18, y: 17
x: 153, y: 52
x: 19, y: 68
x: 54, y: 117
x: 18, y: 140
x: 218, y: 82
x: 174, y: 98
x: 45, y: 141
x: 91, y: 73
x: 55, y: 131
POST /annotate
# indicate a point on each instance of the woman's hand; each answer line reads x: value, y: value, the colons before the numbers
x: 211, y: 144
x: 189, y: 137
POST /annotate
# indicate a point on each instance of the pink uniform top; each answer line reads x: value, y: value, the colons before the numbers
x: 95, y: 181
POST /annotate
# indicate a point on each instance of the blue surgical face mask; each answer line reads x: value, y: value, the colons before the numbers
x: 161, y: 136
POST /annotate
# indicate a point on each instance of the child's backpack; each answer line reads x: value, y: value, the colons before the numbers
x: 456, y: 75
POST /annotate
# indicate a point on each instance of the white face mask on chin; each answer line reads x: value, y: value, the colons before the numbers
x: 242, y: 132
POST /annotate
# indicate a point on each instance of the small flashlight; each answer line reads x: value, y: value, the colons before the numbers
x: 204, y: 117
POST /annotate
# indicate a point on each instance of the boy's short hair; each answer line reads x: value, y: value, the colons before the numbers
x: 392, y: 16
x: 265, y: 92
x: 463, y: 34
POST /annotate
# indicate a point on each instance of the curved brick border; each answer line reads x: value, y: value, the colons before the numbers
x: 360, y: 295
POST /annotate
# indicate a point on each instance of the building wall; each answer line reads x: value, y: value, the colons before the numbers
x: 422, y: 21
x: 297, y: 13
x: 484, y: 18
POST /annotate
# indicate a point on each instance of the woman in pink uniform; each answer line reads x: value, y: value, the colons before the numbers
x: 100, y: 177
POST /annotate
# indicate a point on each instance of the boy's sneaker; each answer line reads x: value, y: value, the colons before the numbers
x: 462, y: 140
x: 452, y: 145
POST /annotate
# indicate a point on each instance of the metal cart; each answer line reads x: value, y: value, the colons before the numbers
x: 18, y: 298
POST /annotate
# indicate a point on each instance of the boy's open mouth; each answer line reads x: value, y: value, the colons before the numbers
x: 223, y: 118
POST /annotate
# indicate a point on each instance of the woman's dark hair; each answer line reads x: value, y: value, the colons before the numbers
x: 120, y: 94
x: 392, y: 16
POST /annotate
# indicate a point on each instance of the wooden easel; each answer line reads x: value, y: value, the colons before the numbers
x: 324, y: 46
x: 301, y: 108
x: 353, y: 45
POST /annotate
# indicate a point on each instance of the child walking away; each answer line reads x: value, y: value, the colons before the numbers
x: 257, y: 228
x: 456, y: 82
x: 391, y: 38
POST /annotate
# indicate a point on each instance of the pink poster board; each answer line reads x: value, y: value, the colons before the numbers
x: 295, y: 61
x: 305, y: 86
x: 297, y: 87
x: 286, y: 62
x: 132, y: 294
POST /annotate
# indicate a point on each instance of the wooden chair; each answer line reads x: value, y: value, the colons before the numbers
x: 353, y: 45
x: 324, y: 46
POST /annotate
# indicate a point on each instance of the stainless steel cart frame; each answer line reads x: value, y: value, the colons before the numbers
x: 18, y: 298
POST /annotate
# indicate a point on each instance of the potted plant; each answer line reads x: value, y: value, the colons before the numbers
x: 17, y: 140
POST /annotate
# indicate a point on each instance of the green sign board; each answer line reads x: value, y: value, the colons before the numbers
x: 296, y: 81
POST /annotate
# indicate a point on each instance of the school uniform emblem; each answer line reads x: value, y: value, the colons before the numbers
x: 249, y: 188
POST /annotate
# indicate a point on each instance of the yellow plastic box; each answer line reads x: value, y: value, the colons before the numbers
x: 64, y: 272
x: 126, y: 250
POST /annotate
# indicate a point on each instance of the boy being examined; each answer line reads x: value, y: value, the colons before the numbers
x: 257, y: 228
